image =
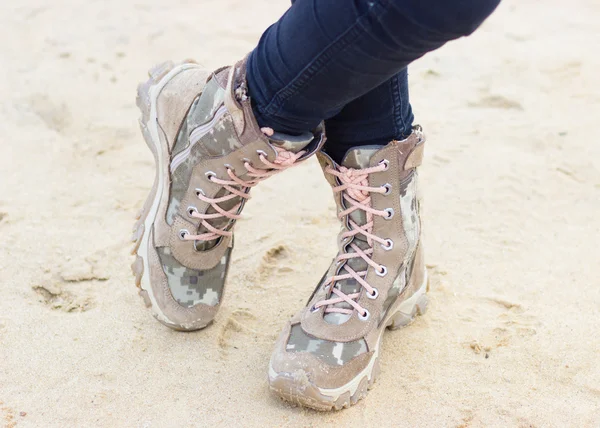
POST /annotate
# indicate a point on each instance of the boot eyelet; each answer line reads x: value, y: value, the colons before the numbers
x: 191, y: 210
x: 382, y: 271
x: 389, y: 213
x: 388, y: 189
x: 364, y: 316
x: 373, y: 295
x: 229, y: 167
x: 385, y: 163
x: 389, y: 244
x: 263, y: 153
x: 210, y: 175
x: 246, y: 162
x: 313, y: 309
x: 200, y: 192
x: 183, y: 233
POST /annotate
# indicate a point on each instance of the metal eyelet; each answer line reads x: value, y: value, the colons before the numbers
x: 373, y: 295
x: 210, y: 175
x: 389, y: 212
x: 183, y: 233
x: 200, y: 192
x: 365, y: 316
x: 388, y: 189
x: 227, y: 166
x: 386, y: 163
x: 262, y: 152
x: 313, y: 309
x: 389, y: 244
x: 247, y: 161
x: 382, y: 271
x: 191, y: 210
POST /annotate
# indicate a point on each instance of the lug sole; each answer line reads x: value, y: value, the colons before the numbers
x: 147, y: 93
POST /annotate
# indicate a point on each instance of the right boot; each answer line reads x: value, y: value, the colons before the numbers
x: 209, y: 152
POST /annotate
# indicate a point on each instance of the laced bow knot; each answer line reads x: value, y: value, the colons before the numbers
x: 354, y: 186
x: 238, y: 187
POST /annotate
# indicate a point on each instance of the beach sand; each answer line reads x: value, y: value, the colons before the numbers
x: 511, y: 181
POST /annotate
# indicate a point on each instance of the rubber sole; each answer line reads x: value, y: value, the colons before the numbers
x: 298, y: 389
x: 147, y: 94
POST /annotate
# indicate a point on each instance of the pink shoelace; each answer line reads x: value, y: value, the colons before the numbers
x: 356, y: 193
x: 284, y: 160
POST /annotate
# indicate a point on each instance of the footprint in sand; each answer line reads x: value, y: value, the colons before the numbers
x: 55, y: 116
x: 56, y: 298
x: 497, y: 101
x: 276, y: 260
x: 237, y: 322
x: 512, y: 322
x: 59, y: 290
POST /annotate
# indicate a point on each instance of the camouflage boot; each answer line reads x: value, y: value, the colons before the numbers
x: 327, y: 356
x: 209, y: 153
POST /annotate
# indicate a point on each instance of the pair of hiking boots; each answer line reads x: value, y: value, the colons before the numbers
x: 209, y: 153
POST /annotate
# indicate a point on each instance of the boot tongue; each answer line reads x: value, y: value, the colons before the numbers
x: 357, y: 158
x: 360, y: 157
x: 291, y: 143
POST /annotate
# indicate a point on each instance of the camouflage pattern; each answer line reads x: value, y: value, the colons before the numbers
x: 339, y: 381
x: 358, y: 158
x: 292, y: 143
x: 219, y: 141
x: 190, y: 287
x: 332, y: 353
x: 339, y: 353
x: 201, y: 111
x: 409, y: 206
x: 395, y: 290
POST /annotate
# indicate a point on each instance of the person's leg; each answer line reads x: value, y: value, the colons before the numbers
x: 376, y: 118
x: 327, y: 355
x: 321, y: 56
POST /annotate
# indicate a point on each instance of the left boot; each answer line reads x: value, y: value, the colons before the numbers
x: 328, y: 355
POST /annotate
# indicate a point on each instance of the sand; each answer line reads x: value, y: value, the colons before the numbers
x: 512, y: 197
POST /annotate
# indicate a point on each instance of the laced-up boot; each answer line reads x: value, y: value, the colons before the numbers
x: 209, y: 153
x: 327, y: 356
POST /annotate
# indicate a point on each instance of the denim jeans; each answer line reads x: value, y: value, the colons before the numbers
x: 344, y: 61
